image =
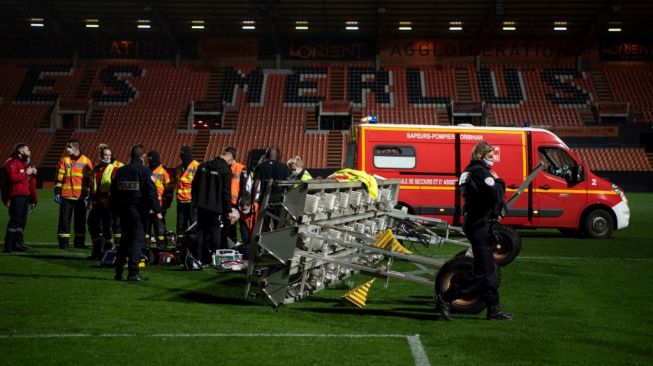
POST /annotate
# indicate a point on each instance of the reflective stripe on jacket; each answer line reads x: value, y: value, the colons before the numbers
x: 161, y: 181
x: 185, y: 181
x: 74, y: 177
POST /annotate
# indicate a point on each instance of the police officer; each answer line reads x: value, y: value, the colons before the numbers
x: 132, y: 196
x: 483, y: 192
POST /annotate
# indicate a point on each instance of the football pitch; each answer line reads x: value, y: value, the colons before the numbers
x: 576, y: 302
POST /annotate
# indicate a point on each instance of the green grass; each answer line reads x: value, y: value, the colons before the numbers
x: 576, y: 302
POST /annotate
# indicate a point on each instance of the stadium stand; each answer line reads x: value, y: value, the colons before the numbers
x: 543, y: 96
x: 615, y: 159
x: 632, y: 84
x: 148, y: 102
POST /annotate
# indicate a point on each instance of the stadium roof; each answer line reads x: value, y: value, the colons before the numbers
x: 479, y: 19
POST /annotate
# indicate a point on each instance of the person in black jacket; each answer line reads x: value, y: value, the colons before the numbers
x: 265, y: 173
x: 132, y: 196
x: 211, y: 196
x: 483, y: 191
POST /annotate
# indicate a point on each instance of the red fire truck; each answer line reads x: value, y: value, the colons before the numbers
x: 429, y: 159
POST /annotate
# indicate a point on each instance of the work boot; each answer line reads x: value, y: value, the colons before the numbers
x: 63, y: 243
x: 10, y: 240
x: 19, y: 247
x: 443, y: 307
x: 96, y: 252
x: 135, y: 277
x: 495, y: 313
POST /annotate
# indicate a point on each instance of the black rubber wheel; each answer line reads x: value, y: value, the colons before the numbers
x: 463, y: 254
x: 451, y: 270
x: 598, y: 224
x: 507, y: 246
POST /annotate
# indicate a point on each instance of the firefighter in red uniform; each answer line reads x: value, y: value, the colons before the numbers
x: 185, y: 174
x: 19, y: 195
x: 164, y: 191
x: 102, y: 225
x: 71, y: 192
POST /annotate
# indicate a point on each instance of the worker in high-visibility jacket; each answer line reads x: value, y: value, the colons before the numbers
x: 164, y: 192
x: 239, y: 179
x: 102, y: 225
x: 185, y: 173
x: 71, y: 192
x: 297, y: 170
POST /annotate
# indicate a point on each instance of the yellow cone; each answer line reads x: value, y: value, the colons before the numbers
x: 383, y: 240
x: 397, y: 247
x: 388, y: 241
x: 358, y: 295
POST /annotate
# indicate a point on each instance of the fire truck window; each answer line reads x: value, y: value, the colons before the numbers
x: 394, y: 157
x: 558, y: 162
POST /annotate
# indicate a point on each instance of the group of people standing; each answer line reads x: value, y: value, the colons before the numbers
x: 215, y: 199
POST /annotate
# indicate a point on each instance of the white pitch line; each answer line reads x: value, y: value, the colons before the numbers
x: 416, y: 348
x: 586, y: 258
x: 419, y: 354
x: 572, y: 258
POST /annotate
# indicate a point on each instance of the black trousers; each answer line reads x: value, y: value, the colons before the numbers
x: 209, y: 234
x: 101, y: 221
x: 18, y: 208
x: 133, y: 239
x: 186, y: 216
x: 484, y: 274
x: 158, y: 228
x: 66, y: 209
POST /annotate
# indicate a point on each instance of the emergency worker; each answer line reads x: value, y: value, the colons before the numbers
x: 71, y: 192
x: 267, y: 171
x: 211, y: 195
x: 297, y: 170
x: 185, y: 173
x: 483, y: 191
x: 239, y: 178
x: 164, y: 191
x: 102, y: 225
x: 248, y: 212
x: 132, y: 196
x: 19, y: 195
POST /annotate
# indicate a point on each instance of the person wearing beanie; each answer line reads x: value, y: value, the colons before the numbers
x: 185, y: 173
x: 164, y: 191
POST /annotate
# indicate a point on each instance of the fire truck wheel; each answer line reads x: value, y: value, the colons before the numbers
x: 598, y: 224
x: 507, y: 246
x: 454, y: 268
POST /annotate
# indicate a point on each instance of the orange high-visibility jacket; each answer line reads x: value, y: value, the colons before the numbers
x: 236, y: 170
x: 161, y: 181
x: 74, y: 177
x: 185, y: 181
